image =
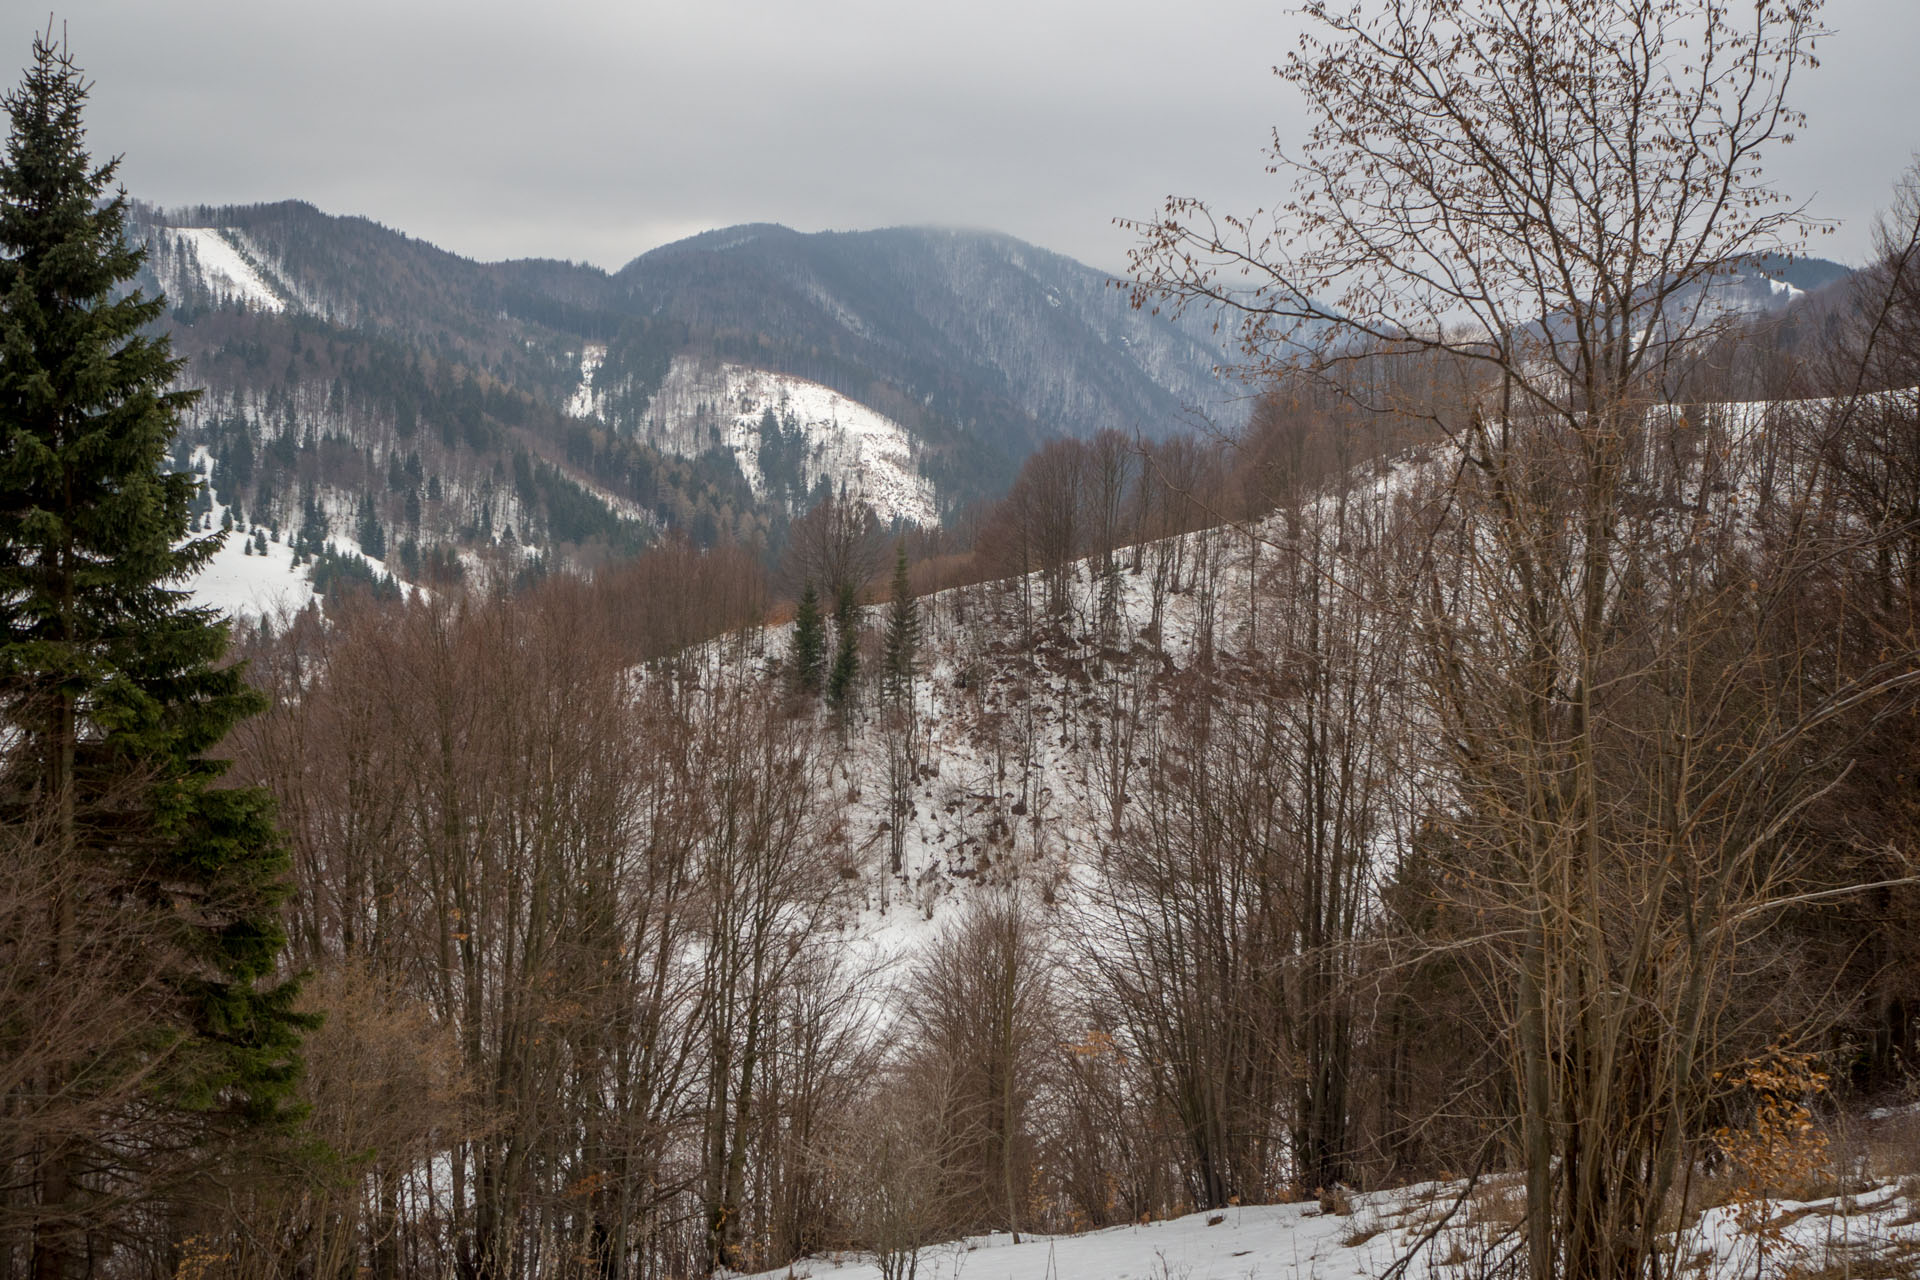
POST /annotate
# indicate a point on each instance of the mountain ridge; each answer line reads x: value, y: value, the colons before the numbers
x: 962, y: 323
x: 354, y: 372
x: 359, y: 378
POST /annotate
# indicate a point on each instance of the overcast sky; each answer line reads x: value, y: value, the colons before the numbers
x: 596, y: 129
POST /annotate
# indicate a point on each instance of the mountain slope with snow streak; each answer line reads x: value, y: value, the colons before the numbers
x: 215, y: 263
x: 581, y: 403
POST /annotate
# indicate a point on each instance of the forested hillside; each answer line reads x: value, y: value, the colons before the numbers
x: 363, y: 382
x: 1137, y: 880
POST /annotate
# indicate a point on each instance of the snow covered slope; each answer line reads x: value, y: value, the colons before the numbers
x: 581, y: 404
x: 213, y: 262
x: 252, y: 585
x: 1451, y: 1232
x: 703, y: 404
x: 253, y: 574
x: 1006, y: 787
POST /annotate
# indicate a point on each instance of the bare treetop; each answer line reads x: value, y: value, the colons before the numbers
x: 1477, y: 167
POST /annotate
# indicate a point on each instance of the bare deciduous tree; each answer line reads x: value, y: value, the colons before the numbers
x: 980, y: 1009
x: 1541, y: 195
x: 837, y: 545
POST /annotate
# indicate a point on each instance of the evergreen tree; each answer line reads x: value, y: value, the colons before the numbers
x: 846, y: 658
x: 237, y: 464
x: 903, y: 633
x: 809, y: 642
x: 524, y: 486
x: 112, y: 692
x: 371, y: 536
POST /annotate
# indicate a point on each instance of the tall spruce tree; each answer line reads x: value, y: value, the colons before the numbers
x: 809, y: 642
x: 112, y: 693
x: 903, y: 633
x: 846, y: 657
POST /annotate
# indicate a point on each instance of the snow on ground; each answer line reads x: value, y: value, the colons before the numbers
x: 704, y: 403
x: 223, y: 269
x: 256, y: 584
x: 1007, y: 790
x: 1447, y: 1231
x: 240, y: 584
x: 1270, y: 1240
x: 580, y: 404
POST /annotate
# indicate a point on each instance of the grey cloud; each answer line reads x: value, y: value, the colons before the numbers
x: 595, y: 130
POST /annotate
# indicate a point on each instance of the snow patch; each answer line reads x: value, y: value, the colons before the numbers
x: 237, y: 583
x: 242, y: 581
x: 219, y: 266
x: 1438, y: 1229
x: 702, y: 404
x: 261, y: 585
x: 581, y: 403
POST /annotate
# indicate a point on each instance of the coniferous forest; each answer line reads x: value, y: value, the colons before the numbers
x: 1473, y: 802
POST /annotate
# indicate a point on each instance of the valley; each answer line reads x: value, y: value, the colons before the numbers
x: 1371, y: 734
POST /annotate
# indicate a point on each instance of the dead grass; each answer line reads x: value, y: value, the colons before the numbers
x: 1908, y: 1190
x: 1498, y: 1202
x: 1892, y: 1145
x: 1360, y: 1230
x: 1877, y: 1260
